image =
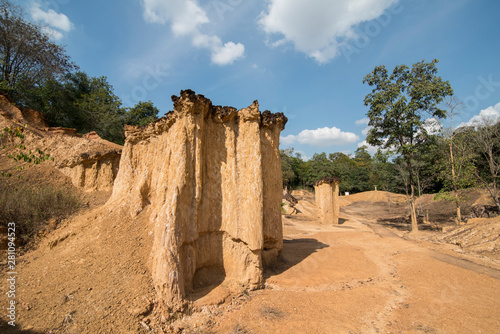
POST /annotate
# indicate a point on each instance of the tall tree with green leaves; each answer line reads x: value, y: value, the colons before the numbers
x: 141, y: 114
x: 398, y: 103
x: 101, y: 110
x: 320, y: 166
x: 28, y: 58
x: 286, y: 167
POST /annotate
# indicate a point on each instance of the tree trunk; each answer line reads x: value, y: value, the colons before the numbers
x: 454, y: 181
x: 459, y: 214
x: 413, y: 214
x: 419, y: 194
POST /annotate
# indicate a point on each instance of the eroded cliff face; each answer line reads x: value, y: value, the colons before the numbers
x: 89, y: 161
x: 326, y: 193
x: 210, y: 177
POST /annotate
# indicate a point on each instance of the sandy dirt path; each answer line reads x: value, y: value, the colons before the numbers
x: 359, y: 277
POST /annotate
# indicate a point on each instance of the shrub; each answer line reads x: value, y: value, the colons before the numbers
x: 29, y: 208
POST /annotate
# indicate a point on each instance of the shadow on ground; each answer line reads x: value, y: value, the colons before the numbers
x: 294, y: 251
x: 5, y: 328
x: 403, y: 224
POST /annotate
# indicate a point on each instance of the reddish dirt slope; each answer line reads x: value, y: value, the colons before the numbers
x: 90, y: 276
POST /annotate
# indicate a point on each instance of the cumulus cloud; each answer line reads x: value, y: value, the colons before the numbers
x: 56, y: 23
x: 303, y: 155
x: 432, y: 126
x: 185, y: 19
x: 364, y: 121
x: 288, y: 140
x: 371, y: 149
x: 318, y: 27
x: 321, y: 137
x: 228, y: 53
x: 489, y: 115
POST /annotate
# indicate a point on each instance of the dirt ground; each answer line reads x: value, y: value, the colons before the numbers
x: 362, y: 276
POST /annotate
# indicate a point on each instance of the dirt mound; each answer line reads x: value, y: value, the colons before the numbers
x: 442, y: 209
x: 98, y: 272
x: 93, y: 267
x: 374, y: 197
x: 480, y: 235
x: 90, y: 161
x: 306, y: 203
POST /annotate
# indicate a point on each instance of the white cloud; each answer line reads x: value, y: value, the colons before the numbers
x: 371, y: 149
x: 56, y: 23
x: 228, y: 53
x: 303, y: 155
x: 185, y: 19
x: 432, y: 126
x: 53, y: 33
x: 319, y: 27
x: 490, y: 115
x: 363, y: 121
x: 288, y: 140
x: 184, y: 16
x: 322, y: 137
x: 365, y: 131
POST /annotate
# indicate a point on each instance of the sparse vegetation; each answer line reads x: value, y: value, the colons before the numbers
x: 12, y: 140
x: 283, y: 207
x: 30, y: 208
x: 239, y: 329
x: 271, y: 313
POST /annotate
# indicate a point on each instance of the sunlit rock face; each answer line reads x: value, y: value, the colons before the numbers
x: 210, y: 180
x: 326, y: 192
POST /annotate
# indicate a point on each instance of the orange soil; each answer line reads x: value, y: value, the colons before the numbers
x: 357, y: 277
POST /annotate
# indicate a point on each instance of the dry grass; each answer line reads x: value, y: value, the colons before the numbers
x: 239, y: 329
x: 271, y: 313
x: 30, y: 207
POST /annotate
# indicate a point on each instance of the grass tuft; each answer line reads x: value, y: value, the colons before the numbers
x: 239, y: 329
x: 271, y: 313
x: 30, y: 208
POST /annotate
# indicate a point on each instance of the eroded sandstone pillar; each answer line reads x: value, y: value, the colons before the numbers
x: 210, y: 178
x: 326, y: 192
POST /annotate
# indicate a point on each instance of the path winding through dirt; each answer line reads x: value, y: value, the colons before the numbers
x: 360, y: 277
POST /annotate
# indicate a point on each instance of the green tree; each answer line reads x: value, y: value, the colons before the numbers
x: 342, y: 166
x: 101, y: 110
x: 286, y: 167
x: 141, y: 114
x: 426, y: 157
x: 383, y: 171
x: 457, y: 168
x: 398, y: 102
x: 28, y: 58
x: 319, y: 167
x: 301, y: 170
x: 361, y: 174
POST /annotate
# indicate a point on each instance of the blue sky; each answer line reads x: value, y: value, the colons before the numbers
x: 304, y: 58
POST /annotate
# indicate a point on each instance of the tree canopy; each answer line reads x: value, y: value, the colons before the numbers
x: 28, y: 57
x: 37, y: 73
x: 398, y: 102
